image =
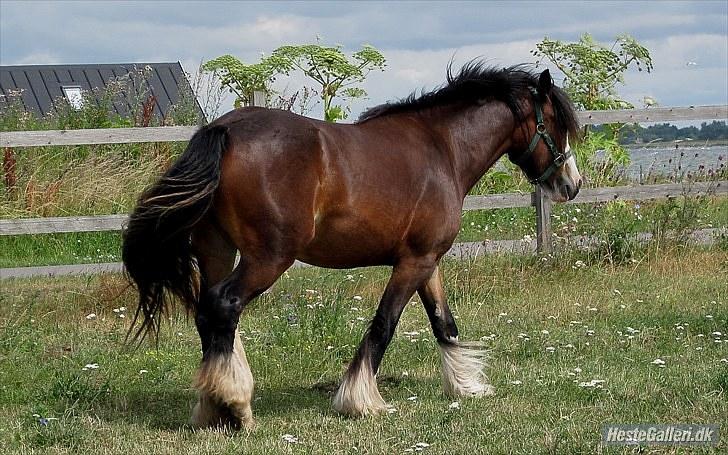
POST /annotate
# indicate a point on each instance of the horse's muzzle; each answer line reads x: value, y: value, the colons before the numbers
x: 569, y: 190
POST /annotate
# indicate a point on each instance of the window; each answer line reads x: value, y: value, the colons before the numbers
x: 74, y: 96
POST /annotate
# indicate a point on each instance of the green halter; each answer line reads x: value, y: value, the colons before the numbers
x: 541, y: 133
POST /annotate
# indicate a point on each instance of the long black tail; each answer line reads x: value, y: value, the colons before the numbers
x: 156, y: 247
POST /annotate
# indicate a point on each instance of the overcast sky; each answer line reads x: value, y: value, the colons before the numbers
x: 688, y: 40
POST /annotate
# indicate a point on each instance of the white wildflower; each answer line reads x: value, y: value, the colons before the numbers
x: 594, y: 383
x: 289, y: 438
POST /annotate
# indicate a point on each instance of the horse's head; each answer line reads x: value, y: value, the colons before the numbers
x: 541, y: 141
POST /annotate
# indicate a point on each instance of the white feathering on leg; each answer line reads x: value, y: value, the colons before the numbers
x: 358, y: 395
x: 463, y: 372
x: 225, y: 380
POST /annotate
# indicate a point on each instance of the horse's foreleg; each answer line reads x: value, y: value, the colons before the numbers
x: 462, y: 364
x: 358, y: 394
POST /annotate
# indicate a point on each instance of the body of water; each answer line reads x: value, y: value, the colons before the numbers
x: 670, y: 161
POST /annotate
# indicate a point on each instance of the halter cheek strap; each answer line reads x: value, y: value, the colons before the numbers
x: 541, y: 134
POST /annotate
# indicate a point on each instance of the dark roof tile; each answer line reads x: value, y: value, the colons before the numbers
x: 41, y: 84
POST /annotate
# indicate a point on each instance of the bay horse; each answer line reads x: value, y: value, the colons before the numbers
x: 274, y: 187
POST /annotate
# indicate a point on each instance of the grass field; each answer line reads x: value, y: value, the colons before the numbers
x: 555, y: 329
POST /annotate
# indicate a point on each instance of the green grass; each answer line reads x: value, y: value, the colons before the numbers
x: 610, y: 322
x: 56, y: 249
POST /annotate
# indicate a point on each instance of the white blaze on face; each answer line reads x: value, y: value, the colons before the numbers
x: 570, y: 168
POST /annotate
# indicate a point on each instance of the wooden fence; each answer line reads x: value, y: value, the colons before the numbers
x: 508, y: 200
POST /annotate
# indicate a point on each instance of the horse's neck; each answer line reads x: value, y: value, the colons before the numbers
x: 479, y: 137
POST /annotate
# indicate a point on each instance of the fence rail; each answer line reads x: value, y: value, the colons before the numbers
x: 494, y: 201
x: 499, y: 201
x: 183, y: 133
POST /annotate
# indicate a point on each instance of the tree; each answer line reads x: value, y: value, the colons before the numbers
x: 592, y: 71
x: 242, y: 79
x: 336, y: 74
x: 591, y: 74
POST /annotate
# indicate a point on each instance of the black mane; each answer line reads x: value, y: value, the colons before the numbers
x: 476, y: 82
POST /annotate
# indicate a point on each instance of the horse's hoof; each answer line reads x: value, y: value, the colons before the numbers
x: 358, y: 395
x: 357, y: 411
x: 486, y: 391
x: 207, y: 413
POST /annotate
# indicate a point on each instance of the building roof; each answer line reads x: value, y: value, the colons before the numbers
x: 41, y: 84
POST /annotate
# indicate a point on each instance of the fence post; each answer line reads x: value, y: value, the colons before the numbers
x: 10, y: 177
x: 259, y: 98
x: 544, y: 243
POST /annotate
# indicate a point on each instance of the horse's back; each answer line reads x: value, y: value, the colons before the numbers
x: 332, y: 195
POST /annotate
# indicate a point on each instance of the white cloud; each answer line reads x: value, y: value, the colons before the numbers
x: 46, y: 58
x: 418, y: 39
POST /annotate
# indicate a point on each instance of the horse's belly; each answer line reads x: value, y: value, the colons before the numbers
x: 347, y: 242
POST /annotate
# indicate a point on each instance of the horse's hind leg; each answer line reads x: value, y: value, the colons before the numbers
x: 462, y: 364
x: 215, y: 258
x: 224, y: 379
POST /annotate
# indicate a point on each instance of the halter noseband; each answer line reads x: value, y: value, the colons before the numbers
x: 541, y: 133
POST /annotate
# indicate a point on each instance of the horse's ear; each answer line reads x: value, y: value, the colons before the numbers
x: 545, y: 83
